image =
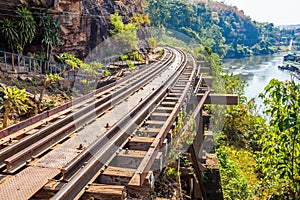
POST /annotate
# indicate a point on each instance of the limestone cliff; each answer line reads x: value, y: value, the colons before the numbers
x: 84, y: 23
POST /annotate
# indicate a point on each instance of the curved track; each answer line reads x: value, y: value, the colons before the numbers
x: 133, y: 118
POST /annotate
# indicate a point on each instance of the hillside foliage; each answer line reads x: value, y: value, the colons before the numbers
x: 224, y: 29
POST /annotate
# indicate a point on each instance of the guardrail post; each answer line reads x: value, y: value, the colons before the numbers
x: 19, y: 64
x: 24, y: 61
x: 55, y: 68
x: 34, y: 65
x: 5, y: 61
x: 41, y: 66
x: 51, y: 69
x: 29, y: 64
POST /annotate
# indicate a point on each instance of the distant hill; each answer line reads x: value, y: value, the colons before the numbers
x: 290, y: 27
x: 225, y: 29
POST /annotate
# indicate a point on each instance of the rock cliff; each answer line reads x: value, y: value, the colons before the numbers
x: 84, y: 23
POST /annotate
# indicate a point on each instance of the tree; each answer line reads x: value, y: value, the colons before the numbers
x: 91, y: 72
x: 159, y: 12
x: 26, y: 28
x: 49, y: 79
x: 125, y: 35
x: 68, y: 59
x: 14, y: 100
x: 279, y: 159
x: 51, y: 32
x: 9, y: 31
x: 152, y: 43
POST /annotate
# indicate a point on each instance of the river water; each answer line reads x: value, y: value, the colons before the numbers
x: 257, y: 71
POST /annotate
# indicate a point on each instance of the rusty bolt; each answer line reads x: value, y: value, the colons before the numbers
x: 126, y: 151
x: 80, y: 147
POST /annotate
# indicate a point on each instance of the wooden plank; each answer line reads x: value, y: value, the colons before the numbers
x: 132, y: 158
x: 105, y: 192
x: 142, y: 140
x: 179, y: 86
x: 171, y: 98
x: 158, y: 114
x: 156, y: 122
x: 166, y: 103
x: 204, y: 89
x: 139, y: 143
x: 175, y: 94
x: 165, y: 109
x: 220, y: 99
x: 176, y: 91
x: 148, y: 132
x: 132, y: 153
x: 118, y: 171
x: 128, y: 159
x: 145, y: 190
x: 115, y: 176
x: 205, y: 70
x: 49, y: 189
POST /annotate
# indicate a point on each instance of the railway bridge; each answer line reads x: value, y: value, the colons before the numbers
x: 111, y: 143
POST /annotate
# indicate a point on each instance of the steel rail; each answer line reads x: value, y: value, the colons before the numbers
x: 22, y: 125
x: 75, y: 164
x: 75, y: 187
x: 16, y: 155
x: 147, y: 162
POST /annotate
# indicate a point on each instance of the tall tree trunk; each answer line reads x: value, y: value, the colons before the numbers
x: 5, y: 117
x: 39, y: 103
x: 47, y: 53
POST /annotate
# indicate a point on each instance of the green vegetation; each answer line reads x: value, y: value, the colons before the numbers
x: 152, y: 43
x: 9, y: 31
x: 51, y: 32
x: 21, y: 31
x: 130, y: 64
x: 234, y: 184
x: 273, y: 144
x: 14, y: 100
x: 18, y: 31
x: 279, y: 159
x: 49, y: 79
x: 182, y: 138
x: 124, y: 34
x: 69, y: 59
x: 259, y: 158
x: 224, y: 29
x: 26, y: 27
x: 91, y: 72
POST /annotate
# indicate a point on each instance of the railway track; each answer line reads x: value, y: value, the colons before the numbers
x: 16, y: 132
x: 97, y: 102
x: 121, y: 132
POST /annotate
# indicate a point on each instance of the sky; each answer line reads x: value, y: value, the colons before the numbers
x: 279, y: 12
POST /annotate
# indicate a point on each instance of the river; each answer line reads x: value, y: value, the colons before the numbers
x: 257, y: 71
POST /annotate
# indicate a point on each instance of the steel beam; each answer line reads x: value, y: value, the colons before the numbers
x: 220, y: 99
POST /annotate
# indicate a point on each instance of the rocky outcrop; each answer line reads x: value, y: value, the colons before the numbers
x: 84, y: 23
